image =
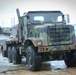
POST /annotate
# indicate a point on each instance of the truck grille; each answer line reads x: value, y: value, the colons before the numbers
x: 59, y: 35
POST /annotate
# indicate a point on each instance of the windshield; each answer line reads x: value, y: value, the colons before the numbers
x: 45, y: 17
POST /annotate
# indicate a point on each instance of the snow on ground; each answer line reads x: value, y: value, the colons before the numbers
x: 4, y: 64
x: 58, y: 64
x: 4, y: 61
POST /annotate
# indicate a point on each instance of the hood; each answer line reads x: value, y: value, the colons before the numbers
x: 52, y: 34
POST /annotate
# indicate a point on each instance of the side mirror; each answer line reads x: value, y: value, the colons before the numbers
x: 67, y: 18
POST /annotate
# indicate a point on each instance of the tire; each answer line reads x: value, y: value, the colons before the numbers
x: 70, y: 59
x: 16, y: 57
x: 34, y: 60
x: 9, y: 55
x: 4, y: 53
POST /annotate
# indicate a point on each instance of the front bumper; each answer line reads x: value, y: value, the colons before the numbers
x: 52, y: 48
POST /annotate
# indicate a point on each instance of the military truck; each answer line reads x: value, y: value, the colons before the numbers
x: 42, y: 36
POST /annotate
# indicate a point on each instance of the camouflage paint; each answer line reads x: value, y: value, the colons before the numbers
x: 33, y: 32
x: 41, y: 32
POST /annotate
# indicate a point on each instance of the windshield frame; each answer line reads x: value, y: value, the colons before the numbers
x: 45, y: 14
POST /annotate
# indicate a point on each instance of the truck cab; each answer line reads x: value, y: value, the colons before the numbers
x: 47, y: 28
x: 43, y: 36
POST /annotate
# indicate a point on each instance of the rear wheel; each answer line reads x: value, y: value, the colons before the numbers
x: 16, y: 57
x: 70, y: 59
x: 4, y: 54
x: 9, y: 55
x: 34, y: 60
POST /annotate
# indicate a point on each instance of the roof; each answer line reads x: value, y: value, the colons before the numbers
x: 45, y: 12
x: 4, y: 33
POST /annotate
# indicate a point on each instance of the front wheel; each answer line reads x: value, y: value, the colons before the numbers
x: 34, y: 60
x: 70, y: 59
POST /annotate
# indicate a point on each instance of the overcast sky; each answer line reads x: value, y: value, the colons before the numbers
x: 8, y: 9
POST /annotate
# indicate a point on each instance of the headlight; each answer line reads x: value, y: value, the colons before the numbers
x: 39, y: 43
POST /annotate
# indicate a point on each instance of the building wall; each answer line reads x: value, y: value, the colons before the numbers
x: 5, y: 34
x: 13, y: 30
x: 3, y: 38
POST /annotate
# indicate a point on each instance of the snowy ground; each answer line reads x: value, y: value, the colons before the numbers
x: 48, y: 68
x: 4, y: 64
x: 57, y: 64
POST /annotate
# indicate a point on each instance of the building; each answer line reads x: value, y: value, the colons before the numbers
x: 4, y: 35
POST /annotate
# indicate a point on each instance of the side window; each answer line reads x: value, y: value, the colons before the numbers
x: 25, y: 20
x: 25, y: 27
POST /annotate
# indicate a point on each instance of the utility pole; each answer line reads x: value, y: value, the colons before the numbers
x: 3, y: 24
x: 13, y: 21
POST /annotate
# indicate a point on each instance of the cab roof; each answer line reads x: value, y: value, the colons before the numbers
x: 44, y: 12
